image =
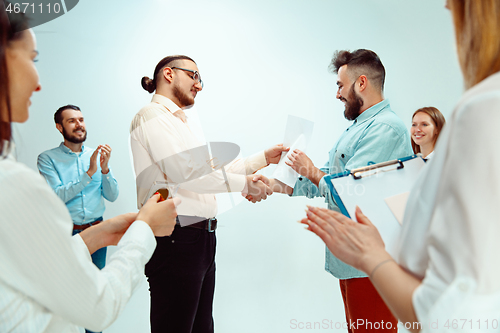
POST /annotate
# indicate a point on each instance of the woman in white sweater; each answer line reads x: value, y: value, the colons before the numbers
x: 47, y: 280
x: 446, y: 276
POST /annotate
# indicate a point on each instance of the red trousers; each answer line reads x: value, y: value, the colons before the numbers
x: 365, y: 311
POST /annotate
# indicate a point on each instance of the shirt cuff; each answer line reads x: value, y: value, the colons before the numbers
x: 255, y: 162
x: 237, y: 182
x: 140, y: 232
x: 86, y: 179
x: 108, y: 175
x: 81, y: 246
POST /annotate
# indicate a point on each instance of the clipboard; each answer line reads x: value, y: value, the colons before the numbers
x: 370, y: 186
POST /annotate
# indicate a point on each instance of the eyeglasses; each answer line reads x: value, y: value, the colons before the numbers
x: 196, y: 76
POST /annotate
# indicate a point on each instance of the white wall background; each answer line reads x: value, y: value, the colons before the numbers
x: 260, y: 61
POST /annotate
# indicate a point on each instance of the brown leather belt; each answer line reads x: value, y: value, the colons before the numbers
x: 82, y: 227
x: 209, y: 224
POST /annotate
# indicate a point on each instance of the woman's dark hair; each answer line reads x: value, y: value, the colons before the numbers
x: 150, y: 84
x: 438, y: 120
x: 11, y: 27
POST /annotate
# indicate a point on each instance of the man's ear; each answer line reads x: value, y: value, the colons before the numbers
x: 363, y: 82
x: 168, y: 74
x: 59, y: 127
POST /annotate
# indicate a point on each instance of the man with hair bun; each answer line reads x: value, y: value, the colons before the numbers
x: 376, y: 135
x: 181, y: 272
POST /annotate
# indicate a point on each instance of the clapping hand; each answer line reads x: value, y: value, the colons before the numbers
x: 105, y: 156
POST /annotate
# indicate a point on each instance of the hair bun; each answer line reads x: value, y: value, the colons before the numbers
x: 148, y: 84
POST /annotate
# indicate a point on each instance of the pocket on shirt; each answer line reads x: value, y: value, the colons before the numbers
x: 344, y: 156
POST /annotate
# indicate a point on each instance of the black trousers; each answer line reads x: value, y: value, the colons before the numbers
x: 181, y: 276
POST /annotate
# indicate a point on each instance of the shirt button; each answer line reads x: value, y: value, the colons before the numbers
x: 84, y: 195
x: 342, y: 155
x: 173, y: 241
x: 463, y: 287
x: 300, y: 178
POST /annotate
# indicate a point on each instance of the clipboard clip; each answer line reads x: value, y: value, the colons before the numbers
x: 358, y: 173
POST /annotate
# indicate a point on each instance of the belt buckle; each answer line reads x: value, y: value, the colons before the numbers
x: 209, y: 227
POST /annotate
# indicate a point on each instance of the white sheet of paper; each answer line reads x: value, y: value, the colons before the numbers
x: 397, y: 205
x: 297, y: 136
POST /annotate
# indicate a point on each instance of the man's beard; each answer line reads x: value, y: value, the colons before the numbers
x: 353, y: 105
x: 184, y: 99
x: 72, y: 138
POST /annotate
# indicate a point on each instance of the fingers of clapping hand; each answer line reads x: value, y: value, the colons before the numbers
x: 93, y: 158
x: 105, y: 152
x: 362, y: 217
x: 315, y: 228
x: 105, y: 148
x: 329, y: 216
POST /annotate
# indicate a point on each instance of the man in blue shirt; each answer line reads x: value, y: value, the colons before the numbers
x: 76, y: 176
x: 376, y: 135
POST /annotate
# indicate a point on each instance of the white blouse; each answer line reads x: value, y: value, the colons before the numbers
x: 48, y: 282
x: 451, y: 229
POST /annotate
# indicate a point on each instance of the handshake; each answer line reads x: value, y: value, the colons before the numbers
x: 258, y: 187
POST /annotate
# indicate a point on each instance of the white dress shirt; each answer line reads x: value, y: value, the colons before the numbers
x: 167, y: 152
x: 451, y: 228
x: 48, y: 282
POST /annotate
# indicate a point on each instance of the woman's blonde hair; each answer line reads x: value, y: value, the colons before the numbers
x: 477, y: 31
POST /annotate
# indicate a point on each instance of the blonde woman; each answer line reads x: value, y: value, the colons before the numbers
x: 446, y: 276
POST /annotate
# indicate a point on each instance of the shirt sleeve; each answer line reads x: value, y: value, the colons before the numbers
x: 306, y: 188
x: 109, y: 186
x: 157, y: 145
x: 65, y: 192
x: 251, y: 164
x: 41, y: 259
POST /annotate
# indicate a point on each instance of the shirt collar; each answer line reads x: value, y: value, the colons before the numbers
x: 69, y: 151
x: 372, y: 112
x: 166, y: 102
